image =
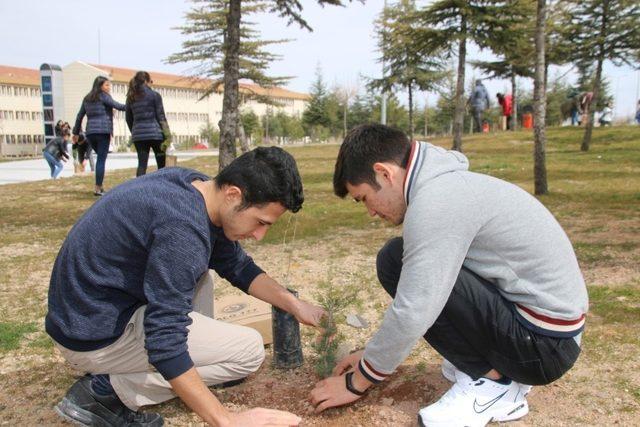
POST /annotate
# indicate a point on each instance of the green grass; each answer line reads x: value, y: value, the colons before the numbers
x: 594, y: 195
x: 12, y: 333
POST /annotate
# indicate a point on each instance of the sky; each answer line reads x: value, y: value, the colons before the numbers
x: 141, y: 34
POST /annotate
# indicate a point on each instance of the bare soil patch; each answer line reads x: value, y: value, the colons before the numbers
x: 600, y: 390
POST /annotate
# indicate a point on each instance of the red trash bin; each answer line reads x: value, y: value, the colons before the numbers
x: 527, y: 121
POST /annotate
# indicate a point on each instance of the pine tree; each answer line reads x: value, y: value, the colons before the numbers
x: 448, y: 24
x: 405, y: 65
x: 602, y: 30
x: 316, y: 116
x: 219, y: 37
x: 514, y: 46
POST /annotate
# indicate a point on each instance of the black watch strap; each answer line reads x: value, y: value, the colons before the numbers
x: 349, y: 380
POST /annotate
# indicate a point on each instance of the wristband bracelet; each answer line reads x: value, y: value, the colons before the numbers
x: 349, y: 381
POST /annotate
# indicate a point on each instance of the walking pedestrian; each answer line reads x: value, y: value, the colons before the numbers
x: 479, y: 102
x: 146, y: 120
x: 98, y: 106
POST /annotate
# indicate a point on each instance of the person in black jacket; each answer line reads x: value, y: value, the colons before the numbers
x: 98, y: 107
x: 55, y: 152
x: 146, y: 120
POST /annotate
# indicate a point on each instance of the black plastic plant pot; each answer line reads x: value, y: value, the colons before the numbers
x: 287, y: 349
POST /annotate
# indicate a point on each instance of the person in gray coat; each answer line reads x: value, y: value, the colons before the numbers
x: 479, y: 102
x: 146, y: 120
x: 98, y: 107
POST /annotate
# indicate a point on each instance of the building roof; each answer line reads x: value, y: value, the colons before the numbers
x: 123, y: 75
x: 31, y: 77
x: 273, y: 92
x: 19, y: 76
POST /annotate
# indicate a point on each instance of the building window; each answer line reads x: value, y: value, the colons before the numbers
x: 47, y: 100
x: 46, y: 83
x: 48, y: 114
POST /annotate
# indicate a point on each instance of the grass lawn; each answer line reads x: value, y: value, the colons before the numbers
x: 594, y: 195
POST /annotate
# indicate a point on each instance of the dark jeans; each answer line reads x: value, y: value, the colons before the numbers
x: 100, y: 144
x: 142, y: 148
x: 477, y: 120
x: 478, y: 330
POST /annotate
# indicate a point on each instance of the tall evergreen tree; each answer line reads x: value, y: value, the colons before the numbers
x: 316, y: 112
x: 514, y: 47
x: 218, y: 37
x: 447, y: 25
x: 405, y: 66
x: 602, y: 30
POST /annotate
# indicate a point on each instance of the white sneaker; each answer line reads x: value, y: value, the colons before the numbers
x: 472, y: 403
x: 448, y: 370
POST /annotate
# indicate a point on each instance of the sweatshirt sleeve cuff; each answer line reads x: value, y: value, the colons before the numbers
x: 172, y: 368
x: 370, y: 373
x: 247, y: 276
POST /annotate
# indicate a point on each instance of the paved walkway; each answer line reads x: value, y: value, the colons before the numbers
x: 38, y: 169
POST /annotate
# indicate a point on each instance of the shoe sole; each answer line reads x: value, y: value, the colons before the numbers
x: 76, y: 415
x: 448, y: 374
x: 515, y: 413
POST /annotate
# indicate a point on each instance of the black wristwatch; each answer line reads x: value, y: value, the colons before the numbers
x: 349, y: 381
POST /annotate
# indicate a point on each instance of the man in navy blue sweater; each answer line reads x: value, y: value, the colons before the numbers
x: 121, y: 292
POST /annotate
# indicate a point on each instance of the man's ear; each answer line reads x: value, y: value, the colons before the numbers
x: 384, y: 172
x: 232, y: 194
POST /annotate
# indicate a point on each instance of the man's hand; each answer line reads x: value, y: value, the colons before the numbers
x: 348, y: 363
x: 262, y: 417
x: 331, y: 392
x: 308, y: 314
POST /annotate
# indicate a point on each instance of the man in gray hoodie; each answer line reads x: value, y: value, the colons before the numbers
x: 482, y: 271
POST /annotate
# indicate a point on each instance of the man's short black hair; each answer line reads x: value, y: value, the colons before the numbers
x: 363, y: 146
x: 265, y: 175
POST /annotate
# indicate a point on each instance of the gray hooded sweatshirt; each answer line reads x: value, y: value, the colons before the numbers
x: 497, y: 230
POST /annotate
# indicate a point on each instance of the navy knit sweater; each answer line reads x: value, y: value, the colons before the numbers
x: 147, y: 241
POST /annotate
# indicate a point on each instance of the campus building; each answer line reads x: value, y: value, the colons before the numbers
x: 31, y: 100
x: 21, y: 116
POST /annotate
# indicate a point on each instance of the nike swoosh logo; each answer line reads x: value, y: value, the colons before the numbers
x: 480, y: 408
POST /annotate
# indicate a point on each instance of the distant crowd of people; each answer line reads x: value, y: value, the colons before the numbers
x: 145, y: 117
x: 577, y: 108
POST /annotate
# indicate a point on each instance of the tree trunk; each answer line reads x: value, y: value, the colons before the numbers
x: 426, y: 115
x: 586, y: 140
x: 231, y: 76
x: 514, y: 103
x: 458, y: 118
x: 410, y: 89
x: 242, y: 136
x: 539, y: 104
x: 344, y: 117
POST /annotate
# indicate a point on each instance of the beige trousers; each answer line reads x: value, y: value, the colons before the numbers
x: 220, y: 352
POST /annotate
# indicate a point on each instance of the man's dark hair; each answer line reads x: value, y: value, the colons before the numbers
x: 363, y: 146
x: 265, y: 175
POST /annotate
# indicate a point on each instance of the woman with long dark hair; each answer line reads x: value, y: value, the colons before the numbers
x: 146, y: 120
x: 98, y: 107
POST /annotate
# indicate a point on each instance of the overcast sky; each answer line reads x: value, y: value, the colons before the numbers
x: 139, y: 34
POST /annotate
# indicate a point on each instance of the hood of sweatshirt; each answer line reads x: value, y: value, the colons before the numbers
x: 427, y: 162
